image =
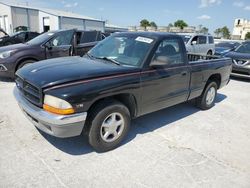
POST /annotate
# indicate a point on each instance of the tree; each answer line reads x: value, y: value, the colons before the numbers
x: 170, y: 25
x: 144, y: 23
x: 247, y: 36
x: 153, y: 24
x: 225, y: 32
x: 217, y: 32
x: 180, y: 23
x: 204, y: 30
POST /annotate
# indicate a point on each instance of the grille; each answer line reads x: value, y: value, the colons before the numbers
x: 29, y: 91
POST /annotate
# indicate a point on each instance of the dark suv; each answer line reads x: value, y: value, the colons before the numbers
x: 46, y: 46
x: 19, y: 37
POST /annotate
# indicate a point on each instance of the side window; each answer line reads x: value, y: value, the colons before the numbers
x: 202, y: 39
x: 89, y: 36
x: 63, y: 38
x: 169, y: 53
x: 194, y: 40
x: 211, y: 40
x: 21, y: 36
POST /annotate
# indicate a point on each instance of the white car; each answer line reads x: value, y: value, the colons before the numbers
x: 199, y: 43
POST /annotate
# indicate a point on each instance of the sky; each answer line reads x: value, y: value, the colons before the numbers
x: 209, y: 13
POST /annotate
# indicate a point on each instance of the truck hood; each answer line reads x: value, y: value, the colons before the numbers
x: 48, y: 73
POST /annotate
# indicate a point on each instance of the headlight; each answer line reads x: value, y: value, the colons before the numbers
x: 5, y: 54
x: 57, y: 106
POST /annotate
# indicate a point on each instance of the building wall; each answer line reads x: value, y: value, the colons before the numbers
x: 6, y: 18
x: 94, y: 25
x: 72, y: 23
x: 53, y: 21
x: 241, y: 28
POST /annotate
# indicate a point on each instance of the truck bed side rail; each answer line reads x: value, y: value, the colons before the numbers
x: 199, y: 57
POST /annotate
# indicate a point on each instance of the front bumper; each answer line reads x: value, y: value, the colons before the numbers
x: 6, y: 70
x: 241, y: 71
x: 56, y: 125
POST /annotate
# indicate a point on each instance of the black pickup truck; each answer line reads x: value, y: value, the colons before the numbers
x: 125, y: 76
x: 46, y: 46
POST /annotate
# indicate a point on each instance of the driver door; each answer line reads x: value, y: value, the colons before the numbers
x: 60, y: 45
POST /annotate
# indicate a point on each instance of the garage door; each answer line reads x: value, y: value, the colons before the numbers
x: 71, y: 23
x: 94, y: 25
x: 19, y: 17
x: 33, y: 20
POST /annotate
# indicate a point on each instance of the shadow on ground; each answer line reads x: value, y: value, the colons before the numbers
x: 6, y: 79
x: 147, y: 123
x: 240, y: 79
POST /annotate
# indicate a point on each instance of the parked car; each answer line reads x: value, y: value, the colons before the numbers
x: 19, y: 37
x: 125, y: 76
x: 199, y: 43
x: 2, y: 33
x: 241, y: 60
x: 224, y: 47
x: 46, y: 46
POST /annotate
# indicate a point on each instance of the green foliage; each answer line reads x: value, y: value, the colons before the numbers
x: 144, y: 23
x: 153, y: 24
x: 223, y: 32
x: 180, y: 23
x: 247, y: 36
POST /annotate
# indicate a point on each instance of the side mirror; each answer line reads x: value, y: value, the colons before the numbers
x: 48, y: 46
x: 160, y: 61
x: 193, y: 42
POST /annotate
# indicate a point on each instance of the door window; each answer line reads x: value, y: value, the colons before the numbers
x: 169, y: 53
x: 202, y: 39
x: 89, y: 36
x: 63, y: 38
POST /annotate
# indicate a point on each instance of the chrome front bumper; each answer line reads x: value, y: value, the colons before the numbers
x: 53, y: 124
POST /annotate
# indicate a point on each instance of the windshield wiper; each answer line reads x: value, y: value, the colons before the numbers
x: 110, y: 60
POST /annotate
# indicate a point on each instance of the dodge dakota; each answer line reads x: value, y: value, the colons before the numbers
x: 125, y: 76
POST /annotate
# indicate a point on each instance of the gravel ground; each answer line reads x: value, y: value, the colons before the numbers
x: 177, y: 147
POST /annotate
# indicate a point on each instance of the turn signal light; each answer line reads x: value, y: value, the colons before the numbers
x: 57, y: 110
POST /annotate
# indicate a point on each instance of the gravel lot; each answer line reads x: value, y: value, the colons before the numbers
x: 177, y: 147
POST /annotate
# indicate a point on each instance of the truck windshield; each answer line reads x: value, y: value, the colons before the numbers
x: 41, y: 38
x: 127, y: 50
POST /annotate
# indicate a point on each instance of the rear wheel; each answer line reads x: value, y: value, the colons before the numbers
x: 208, y: 96
x: 109, y: 124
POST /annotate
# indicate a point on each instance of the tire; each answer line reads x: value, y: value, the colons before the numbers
x: 208, y: 96
x: 25, y: 63
x: 104, y: 135
x: 210, y: 53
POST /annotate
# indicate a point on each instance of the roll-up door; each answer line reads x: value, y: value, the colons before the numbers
x: 71, y: 23
x: 94, y: 25
x: 33, y: 20
x: 19, y: 17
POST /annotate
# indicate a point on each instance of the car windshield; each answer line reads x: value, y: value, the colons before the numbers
x: 186, y: 38
x: 41, y: 38
x: 229, y: 45
x: 244, y: 48
x: 125, y: 50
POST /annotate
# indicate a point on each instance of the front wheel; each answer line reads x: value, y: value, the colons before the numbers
x: 109, y: 125
x: 208, y: 96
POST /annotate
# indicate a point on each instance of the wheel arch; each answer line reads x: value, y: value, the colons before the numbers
x: 19, y: 61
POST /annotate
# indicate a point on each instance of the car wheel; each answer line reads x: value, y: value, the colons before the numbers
x: 208, y: 96
x: 25, y: 63
x: 109, y: 124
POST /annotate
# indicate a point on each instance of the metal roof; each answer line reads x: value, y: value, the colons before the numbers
x: 53, y: 12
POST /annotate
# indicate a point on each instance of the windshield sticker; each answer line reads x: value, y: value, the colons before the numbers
x: 50, y: 34
x: 144, y: 39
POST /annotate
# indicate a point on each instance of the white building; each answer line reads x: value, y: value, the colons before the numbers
x: 41, y: 20
x: 241, y: 28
